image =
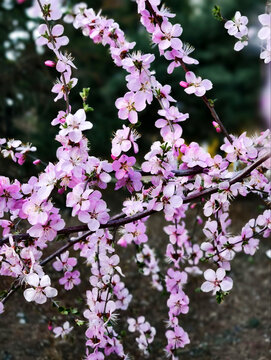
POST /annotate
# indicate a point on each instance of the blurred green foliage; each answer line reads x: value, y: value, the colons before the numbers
x: 26, y: 102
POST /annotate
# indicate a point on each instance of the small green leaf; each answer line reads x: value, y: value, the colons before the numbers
x: 217, y: 13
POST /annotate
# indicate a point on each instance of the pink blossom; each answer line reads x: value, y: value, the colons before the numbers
x: 167, y: 36
x: 216, y: 281
x: 129, y: 105
x: 123, y: 165
x: 177, y: 338
x: 53, y: 10
x: 61, y: 89
x: 40, y: 290
x: 70, y: 279
x: 237, y: 25
x: 65, y: 262
x: 195, y: 85
x: 56, y: 40
x: 123, y: 140
x: 75, y: 125
x: 62, y: 330
x: 178, y: 303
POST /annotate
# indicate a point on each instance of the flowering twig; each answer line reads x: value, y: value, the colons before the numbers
x: 122, y: 220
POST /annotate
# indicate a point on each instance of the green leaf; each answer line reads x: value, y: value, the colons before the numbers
x: 217, y: 13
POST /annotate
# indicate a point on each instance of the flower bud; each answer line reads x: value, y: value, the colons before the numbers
x: 216, y: 126
x: 36, y: 162
x: 183, y: 84
x: 50, y: 63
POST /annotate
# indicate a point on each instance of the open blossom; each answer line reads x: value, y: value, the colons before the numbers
x: 129, y: 105
x: 178, y: 303
x: 177, y: 338
x: 64, y: 262
x: 40, y: 290
x: 175, y: 56
x: 53, y: 40
x: 195, y: 85
x: 62, y: 88
x: 237, y: 25
x: 123, y: 140
x: 70, y: 279
x: 123, y: 166
x: 62, y: 330
x: 75, y: 125
x: 216, y: 281
x: 167, y: 36
x: 146, y: 332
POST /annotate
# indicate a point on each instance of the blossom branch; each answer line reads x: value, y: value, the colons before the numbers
x: 120, y: 219
x: 211, y: 108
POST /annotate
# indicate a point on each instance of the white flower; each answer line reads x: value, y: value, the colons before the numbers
x: 41, y: 289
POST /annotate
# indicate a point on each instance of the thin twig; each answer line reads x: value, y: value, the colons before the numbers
x: 214, y: 114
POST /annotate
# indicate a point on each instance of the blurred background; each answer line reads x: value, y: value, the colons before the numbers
x: 26, y: 101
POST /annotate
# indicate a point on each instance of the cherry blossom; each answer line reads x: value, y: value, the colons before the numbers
x: 195, y: 85
x: 216, y: 281
x: 40, y: 290
x: 129, y: 105
x: 63, y: 330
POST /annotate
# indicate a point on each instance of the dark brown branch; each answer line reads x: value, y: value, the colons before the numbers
x: 120, y: 219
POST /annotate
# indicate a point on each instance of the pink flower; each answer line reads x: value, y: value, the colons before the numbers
x: 177, y: 55
x: 61, y: 89
x: 178, y: 303
x: 65, y: 262
x: 53, y: 10
x: 129, y: 105
x: 70, y: 279
x: 167, y: 36
x: 175, y: 280
x: 63, y: 330
x: 41, y: 289
x: 1, y: 307
x: 56, y: 40
x: 123, y: 140
x: 216, y: 281
x: 123, y: 165
x: 237, y: 26
x: 195, y: 85
x: 75, y: 125
x: 177, y: 338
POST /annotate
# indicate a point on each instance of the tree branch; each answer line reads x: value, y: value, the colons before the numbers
x: 120, y: 219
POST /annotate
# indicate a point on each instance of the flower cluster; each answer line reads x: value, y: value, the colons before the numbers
x: 146, y: 332
x: 16, y: 150
x: 237, y: 27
